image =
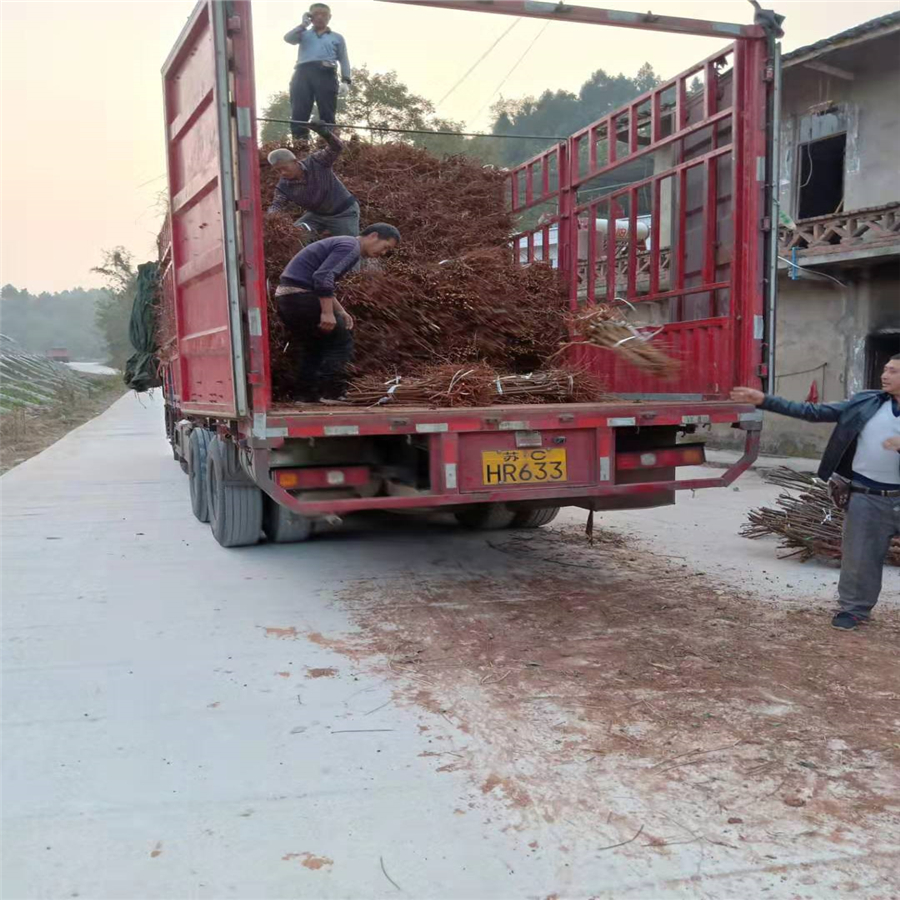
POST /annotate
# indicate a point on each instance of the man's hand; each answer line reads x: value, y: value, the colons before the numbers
x: 327, y: 322
x: 892, y: 443
x: 747, y: 395
x: 343, y: 90
x: 349, y: 322
x: 306, y: 21
x: 316, y: 126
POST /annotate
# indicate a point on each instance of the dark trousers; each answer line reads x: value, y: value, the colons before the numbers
x: 320, y: 358
x: 870, y: 523
x: 312, y: 83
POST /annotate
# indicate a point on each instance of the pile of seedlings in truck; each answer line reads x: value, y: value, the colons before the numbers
x: 452, y: 294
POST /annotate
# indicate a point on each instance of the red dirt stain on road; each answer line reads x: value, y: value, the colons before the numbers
x: 215, y: 705
x: 309, y: 860
x: 157, y: 850
x: 321, y: 673
x: 283, y: 674
x: 282, y: 633
x: 490, y: 783
x: 515, y: 795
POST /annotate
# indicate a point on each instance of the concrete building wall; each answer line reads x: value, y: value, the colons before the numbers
x: 869, y: 101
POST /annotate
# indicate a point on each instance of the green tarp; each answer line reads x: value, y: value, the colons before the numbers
x: 142, y: 369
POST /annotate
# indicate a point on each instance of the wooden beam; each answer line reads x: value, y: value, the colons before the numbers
x: 830, y: 70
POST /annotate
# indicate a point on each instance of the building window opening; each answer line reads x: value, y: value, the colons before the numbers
x: 821, y: 176
x: 879, y: 349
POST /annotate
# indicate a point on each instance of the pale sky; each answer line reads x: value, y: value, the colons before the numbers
x: 81, y: 121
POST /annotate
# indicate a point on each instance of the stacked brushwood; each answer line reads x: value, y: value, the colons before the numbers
x: 454, y: 385
x: 806, y: 520
x: 453, y: 294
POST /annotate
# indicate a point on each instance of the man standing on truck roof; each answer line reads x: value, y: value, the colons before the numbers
x: 315, y: 320
x: 862, y: 465
x: 319, y: 53
x: 311, y: 184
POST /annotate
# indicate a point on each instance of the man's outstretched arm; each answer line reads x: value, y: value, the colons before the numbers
x: 810, y: 412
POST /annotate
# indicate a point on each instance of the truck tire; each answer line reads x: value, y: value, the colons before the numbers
x: 535, y: 518
x: 198, y: 444
x: 486, y: 517
x: 235, y: 502
x: 283, y: 526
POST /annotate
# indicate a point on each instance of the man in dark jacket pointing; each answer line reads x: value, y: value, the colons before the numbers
x: 864, y: 449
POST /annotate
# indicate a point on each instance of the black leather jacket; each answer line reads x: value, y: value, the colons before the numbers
x: 851, y: 415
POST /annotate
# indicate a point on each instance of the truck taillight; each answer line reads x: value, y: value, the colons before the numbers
x: 317, y: 477
x: 686, y: 455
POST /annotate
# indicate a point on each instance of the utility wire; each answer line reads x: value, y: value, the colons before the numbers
x: 812, y: 271
x: 526, y: 137
x: 478, y: 61
x: 513, y: 69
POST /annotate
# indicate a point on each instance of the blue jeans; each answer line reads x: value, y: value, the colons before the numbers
x: 869, y: 525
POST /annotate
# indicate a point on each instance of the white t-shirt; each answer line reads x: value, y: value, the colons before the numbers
x: 871, y: 459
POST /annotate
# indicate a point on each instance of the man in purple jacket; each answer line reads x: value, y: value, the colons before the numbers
x: 320, y: 328
x: 311, y: 184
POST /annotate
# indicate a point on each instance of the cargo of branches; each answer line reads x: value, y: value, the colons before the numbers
x: 560, y: 333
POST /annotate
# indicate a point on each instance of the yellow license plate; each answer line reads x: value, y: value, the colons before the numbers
x: 523, y: 466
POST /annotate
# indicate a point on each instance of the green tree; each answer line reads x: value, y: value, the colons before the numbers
x: 114, y: 310
x: 560, y: 113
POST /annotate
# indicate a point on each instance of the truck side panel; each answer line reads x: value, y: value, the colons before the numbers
x: 204, y: 276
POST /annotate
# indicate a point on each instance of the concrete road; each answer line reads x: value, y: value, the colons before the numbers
x: 407, y: 710
x: 92, y: 368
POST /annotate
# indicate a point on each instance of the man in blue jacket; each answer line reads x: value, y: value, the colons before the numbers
x: 864, y: 449
x: 320, y: 52
x: 320, y: 328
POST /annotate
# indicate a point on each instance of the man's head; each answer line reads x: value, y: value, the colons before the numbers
x: 321, y: 15
x: 378, y: 239
x: 890, y: 376
x: 285, y: 164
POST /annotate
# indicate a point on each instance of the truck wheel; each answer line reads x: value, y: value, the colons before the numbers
x: 486, y: 517
x: 235, y: 503
x: 283, y: 526
x: 535, y: 518
x: 198, y: 446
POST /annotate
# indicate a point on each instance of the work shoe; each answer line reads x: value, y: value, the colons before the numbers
x: 847, y: 621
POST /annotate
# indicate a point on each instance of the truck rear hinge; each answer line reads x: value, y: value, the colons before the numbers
x: 234, y: 24
x: 768, y: 74
x: 762, y: 370
x: 766, y: 223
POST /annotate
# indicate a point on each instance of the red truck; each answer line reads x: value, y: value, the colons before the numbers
x: 683, y: 171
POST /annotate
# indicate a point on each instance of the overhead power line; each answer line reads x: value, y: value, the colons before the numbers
x: 478, y: 61
x: 513, y: 69
x: 524, y: 137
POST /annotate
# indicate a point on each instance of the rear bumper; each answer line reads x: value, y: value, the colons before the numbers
x: 452, y: 482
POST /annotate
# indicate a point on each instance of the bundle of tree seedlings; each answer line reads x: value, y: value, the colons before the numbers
x: 607, y: 328
x: 806, y: 520
x: 455, y: 385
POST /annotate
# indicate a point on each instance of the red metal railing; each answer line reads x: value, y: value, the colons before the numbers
x: 687, y: 164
